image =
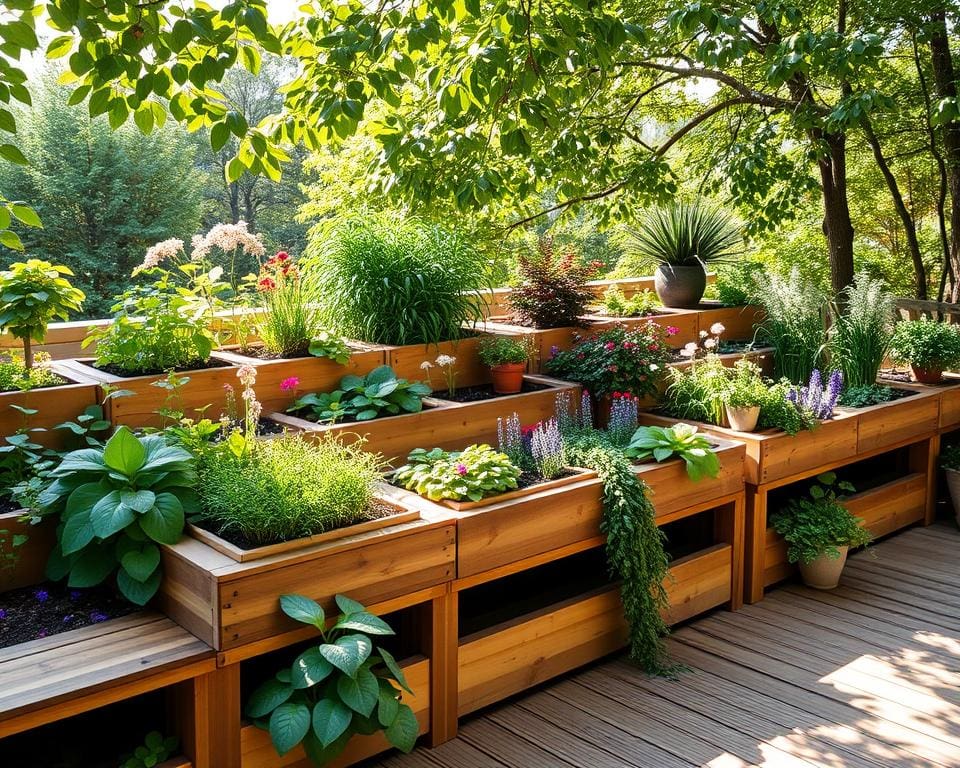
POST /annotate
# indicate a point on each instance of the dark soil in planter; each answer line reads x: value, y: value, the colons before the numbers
x: 30, y: 613
x: 114, y: 370
x: 260, y: 352
x: 265, y: 427
x: 533, y: 479
x: 484, y: 392
x: 903, y: 377
x: 8, y: 505
x: 377, y: 510
x: 880, y: 395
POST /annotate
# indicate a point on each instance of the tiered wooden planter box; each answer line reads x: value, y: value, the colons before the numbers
x: 448, y: 425
x: 507, y: 538
x: 53, y: 405
x: 204, y: 390
x: 775, y: 459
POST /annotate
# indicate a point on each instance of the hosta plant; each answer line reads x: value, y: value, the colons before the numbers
x: 343, y: 686
x: 116, y: 504
x: 362, y: 398
x: 681, y: 441
x: 468, y: 475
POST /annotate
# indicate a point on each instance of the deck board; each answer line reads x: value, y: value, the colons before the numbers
x: 865, y: 676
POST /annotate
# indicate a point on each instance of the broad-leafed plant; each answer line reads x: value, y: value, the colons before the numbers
x: 681, y: 441
x: 33, y: 293
x: 362, y: 398
x: 472, y: 474
x: 116, y: 503
x: 344, y: 686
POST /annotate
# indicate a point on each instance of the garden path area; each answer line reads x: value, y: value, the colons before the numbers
x: 865, y: 676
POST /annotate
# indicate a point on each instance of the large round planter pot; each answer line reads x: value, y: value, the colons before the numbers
x: 926, y: 375
x: 824, y: 572
x: 953, y: 485
x: 743, y: 419
x: 507, y: 378
x: 680, y: 287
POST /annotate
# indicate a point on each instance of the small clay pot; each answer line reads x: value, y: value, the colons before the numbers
x: 926, y: 375
x: 824, y: 572
x: 507, y: 378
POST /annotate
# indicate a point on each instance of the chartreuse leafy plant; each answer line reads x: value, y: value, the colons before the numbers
x: 115, y: 505
x: 925, y: 343
x: 33, y: 293
x: 681, y: 441
x: 344, y: 686
x: 817, y: 525
x: 472, y: 474
x: 362, y: 398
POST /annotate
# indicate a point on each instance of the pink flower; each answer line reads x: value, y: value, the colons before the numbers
x: 609, y: 346
x: 461, y: 469
x: 672, y: 330
x: 612, y: 368
x: 289, y: 384
x: 628, y: 345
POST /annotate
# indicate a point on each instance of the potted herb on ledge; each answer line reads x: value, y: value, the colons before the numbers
x: 506, y: 357
x: 819, y: 531
x: 928, y: 347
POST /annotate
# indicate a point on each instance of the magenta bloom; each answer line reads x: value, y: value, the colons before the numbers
x: 290, y: 384
x: 672, y: 330
x: 609, y: 346
x: 461, y: 469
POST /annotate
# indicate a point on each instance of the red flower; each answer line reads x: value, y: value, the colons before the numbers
x: 266, y: 284
x: 612, y: 368
x: 609, y: 346
x: 653, y: 347
x: 282, y: 256
x: 628, y: 345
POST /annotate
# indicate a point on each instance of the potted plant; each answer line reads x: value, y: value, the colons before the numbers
x: 819, y: 531
x: 743, y: 398
x: 950, y: 463
x: 927, y: 346
x: 506, y: 357
x: 682, y: 239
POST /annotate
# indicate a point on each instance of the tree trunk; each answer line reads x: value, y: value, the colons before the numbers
x: 27, y: 353
x: 909, y: 225
x: 837, y: 225
x: 944, y: 77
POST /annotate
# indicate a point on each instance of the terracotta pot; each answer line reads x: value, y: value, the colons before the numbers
x: 507, y: 378
x: 824, y: 572
x: 743, y: 419
x: 926, y: 375
x: 953, y: 485
x: 680, y: 287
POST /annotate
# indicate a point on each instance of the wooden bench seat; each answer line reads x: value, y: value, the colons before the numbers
x: 63, y: 675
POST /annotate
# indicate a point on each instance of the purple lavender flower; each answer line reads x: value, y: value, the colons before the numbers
x: 96, y: 617
x: 41, y: 634
x: 68, y: 618
x: 815, y: 392
x: 624, y: 417
x: 3, y: 614
x: 548, y: 449
x: 75, y: 594
x: 42, y: 595
x: 586, y: 410
x: 834, y: 388
x: 554, y: 351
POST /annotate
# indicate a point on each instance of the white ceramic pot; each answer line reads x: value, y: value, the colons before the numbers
x: 743, y: 419
x: 824, y: 572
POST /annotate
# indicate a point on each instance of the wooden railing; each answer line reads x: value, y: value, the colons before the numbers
x: 913, y: 309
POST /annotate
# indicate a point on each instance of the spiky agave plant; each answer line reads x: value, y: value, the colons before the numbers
x: 686, y: 233
x: 862, y: 330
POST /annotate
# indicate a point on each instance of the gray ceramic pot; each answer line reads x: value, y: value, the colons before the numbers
x: 680, y: 287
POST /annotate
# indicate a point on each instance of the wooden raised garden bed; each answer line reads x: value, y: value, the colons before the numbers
x: 230, y: 604
x: 53, y: 405
x: 203, y: 390
x: 576, y: 474
x: 257, y: 751
x: 316, y: 374
x: 31, y: 557
x: 444, y: 424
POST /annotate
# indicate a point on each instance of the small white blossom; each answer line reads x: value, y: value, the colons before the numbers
x: 426, y: 365
x: 247, y: 375
x: 710, y: 343
x: 445, y: 360
x: 164, y: 250
x: 654, y: 367
x: 227, y: 237
x: 717, y: 328
x: 703, y: 334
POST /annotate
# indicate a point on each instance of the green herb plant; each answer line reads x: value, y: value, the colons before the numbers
x: 867, y: 395
x: 503, y: 350
x: 16, y: 377
x: 734, y: 286
x: 926, y: 343
x: 641, y: 304
x: 681, y: 441
x: 817, y: 525
x: 397, y: 279
x: 155, y: 749
x: 32, y: 294
x: 330, y: 346
x: 283, y: 489
x: 472, y: 474
x: 291, y: 317
x: 156, y: 328
x: 861, y: 331
x: 363, y: 398
x: 343, y: 686
x: 115, y: 504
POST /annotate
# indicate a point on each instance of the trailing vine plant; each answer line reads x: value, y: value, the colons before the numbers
x: 634, y: 547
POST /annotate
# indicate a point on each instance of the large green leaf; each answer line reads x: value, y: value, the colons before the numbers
x: 395, y: 669
x: 139, y: 501
x: 110, y: 515
x: 403, y: 731
x: 347, y: 653
x: 164, y: 521
x: 83, y: 460
x: 330, y: 720
x: 141, y: 562
x: 303, y: 609
x: 124, y: 452
x: 361, y: 692
x: 366, y: 623
x: 138, y: 592
x: 389, y: 703
x: 268, y: 697
x: 309, y: 669
x: 348, y: 606
x: 289, y: 723
x: 92, y: 566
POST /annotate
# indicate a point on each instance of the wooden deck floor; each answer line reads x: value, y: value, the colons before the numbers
x: 867, y: 675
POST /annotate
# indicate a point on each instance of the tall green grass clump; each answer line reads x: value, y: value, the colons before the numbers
x: 391, y: 280
x: 862, y: 330
x: 285, y: 489
x: 794, y: 324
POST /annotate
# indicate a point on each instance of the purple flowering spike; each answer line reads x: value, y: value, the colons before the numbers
x: 834, y: 388
x: 3, y: 614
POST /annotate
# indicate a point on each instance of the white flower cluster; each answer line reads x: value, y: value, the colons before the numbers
x: 166, y: 250
x: 226, y: 237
